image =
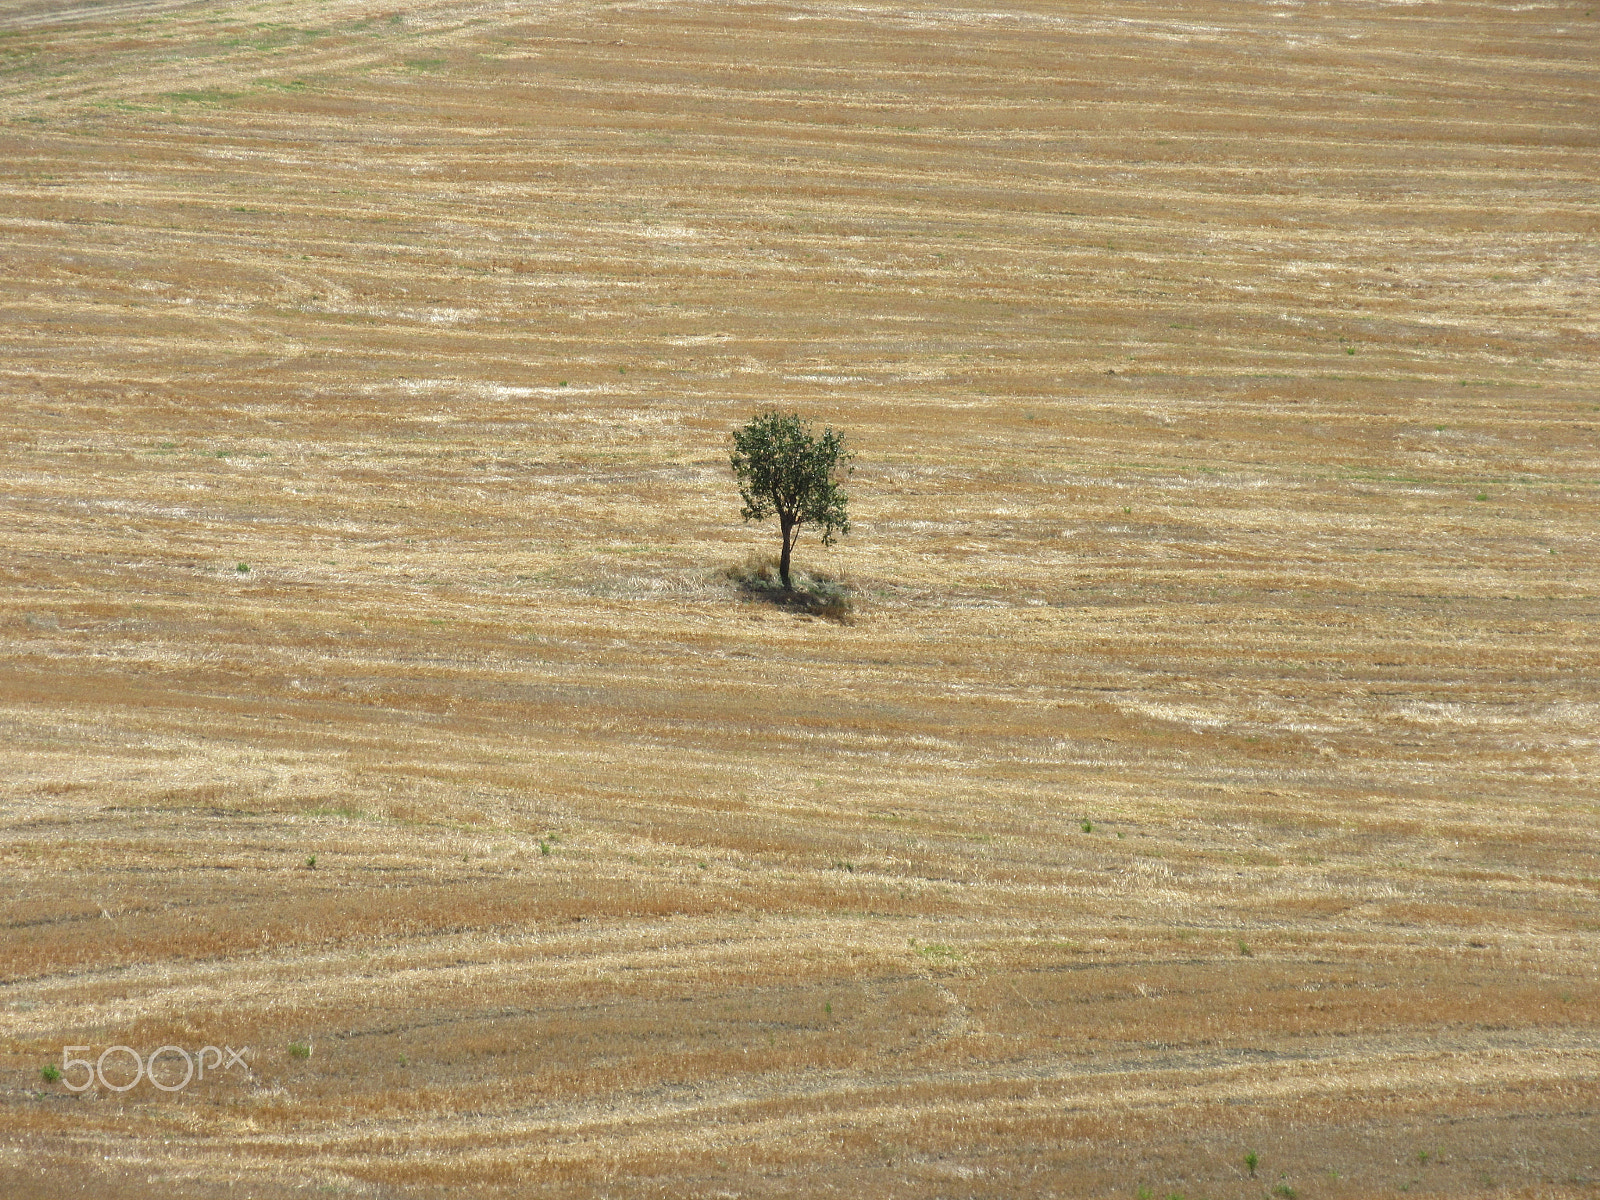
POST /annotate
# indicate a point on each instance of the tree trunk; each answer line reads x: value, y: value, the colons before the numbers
x: 788, y: 545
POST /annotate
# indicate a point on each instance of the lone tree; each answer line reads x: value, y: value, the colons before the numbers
x: 782, y: 469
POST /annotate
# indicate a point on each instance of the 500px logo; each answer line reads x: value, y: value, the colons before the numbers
x: 143, y: 1068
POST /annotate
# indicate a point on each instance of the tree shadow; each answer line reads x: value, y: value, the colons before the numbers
x: 811, y: 594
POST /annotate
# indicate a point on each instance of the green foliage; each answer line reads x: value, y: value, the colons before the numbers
x: 1252, y: 1160
x: 300, y: 1050
x: 785, y: 471
x: 50, y: 1073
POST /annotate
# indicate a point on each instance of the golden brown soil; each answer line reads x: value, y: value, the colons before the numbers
x: 1210, y: 769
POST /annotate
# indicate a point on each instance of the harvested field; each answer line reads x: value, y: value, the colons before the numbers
x: 1201, y: 799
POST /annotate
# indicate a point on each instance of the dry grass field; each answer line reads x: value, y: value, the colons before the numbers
x: 1209, y: 769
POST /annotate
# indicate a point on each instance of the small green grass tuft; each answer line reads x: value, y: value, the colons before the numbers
x: 1244, y: 950
x: 50, y: 1073
x: 934, y: 953
x: 1252, y: 1160
x: 1087, y: 826
x: 243, y: 568
x: 299, y: 1050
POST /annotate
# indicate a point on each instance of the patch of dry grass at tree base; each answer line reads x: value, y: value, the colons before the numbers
x: 811, y: 593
